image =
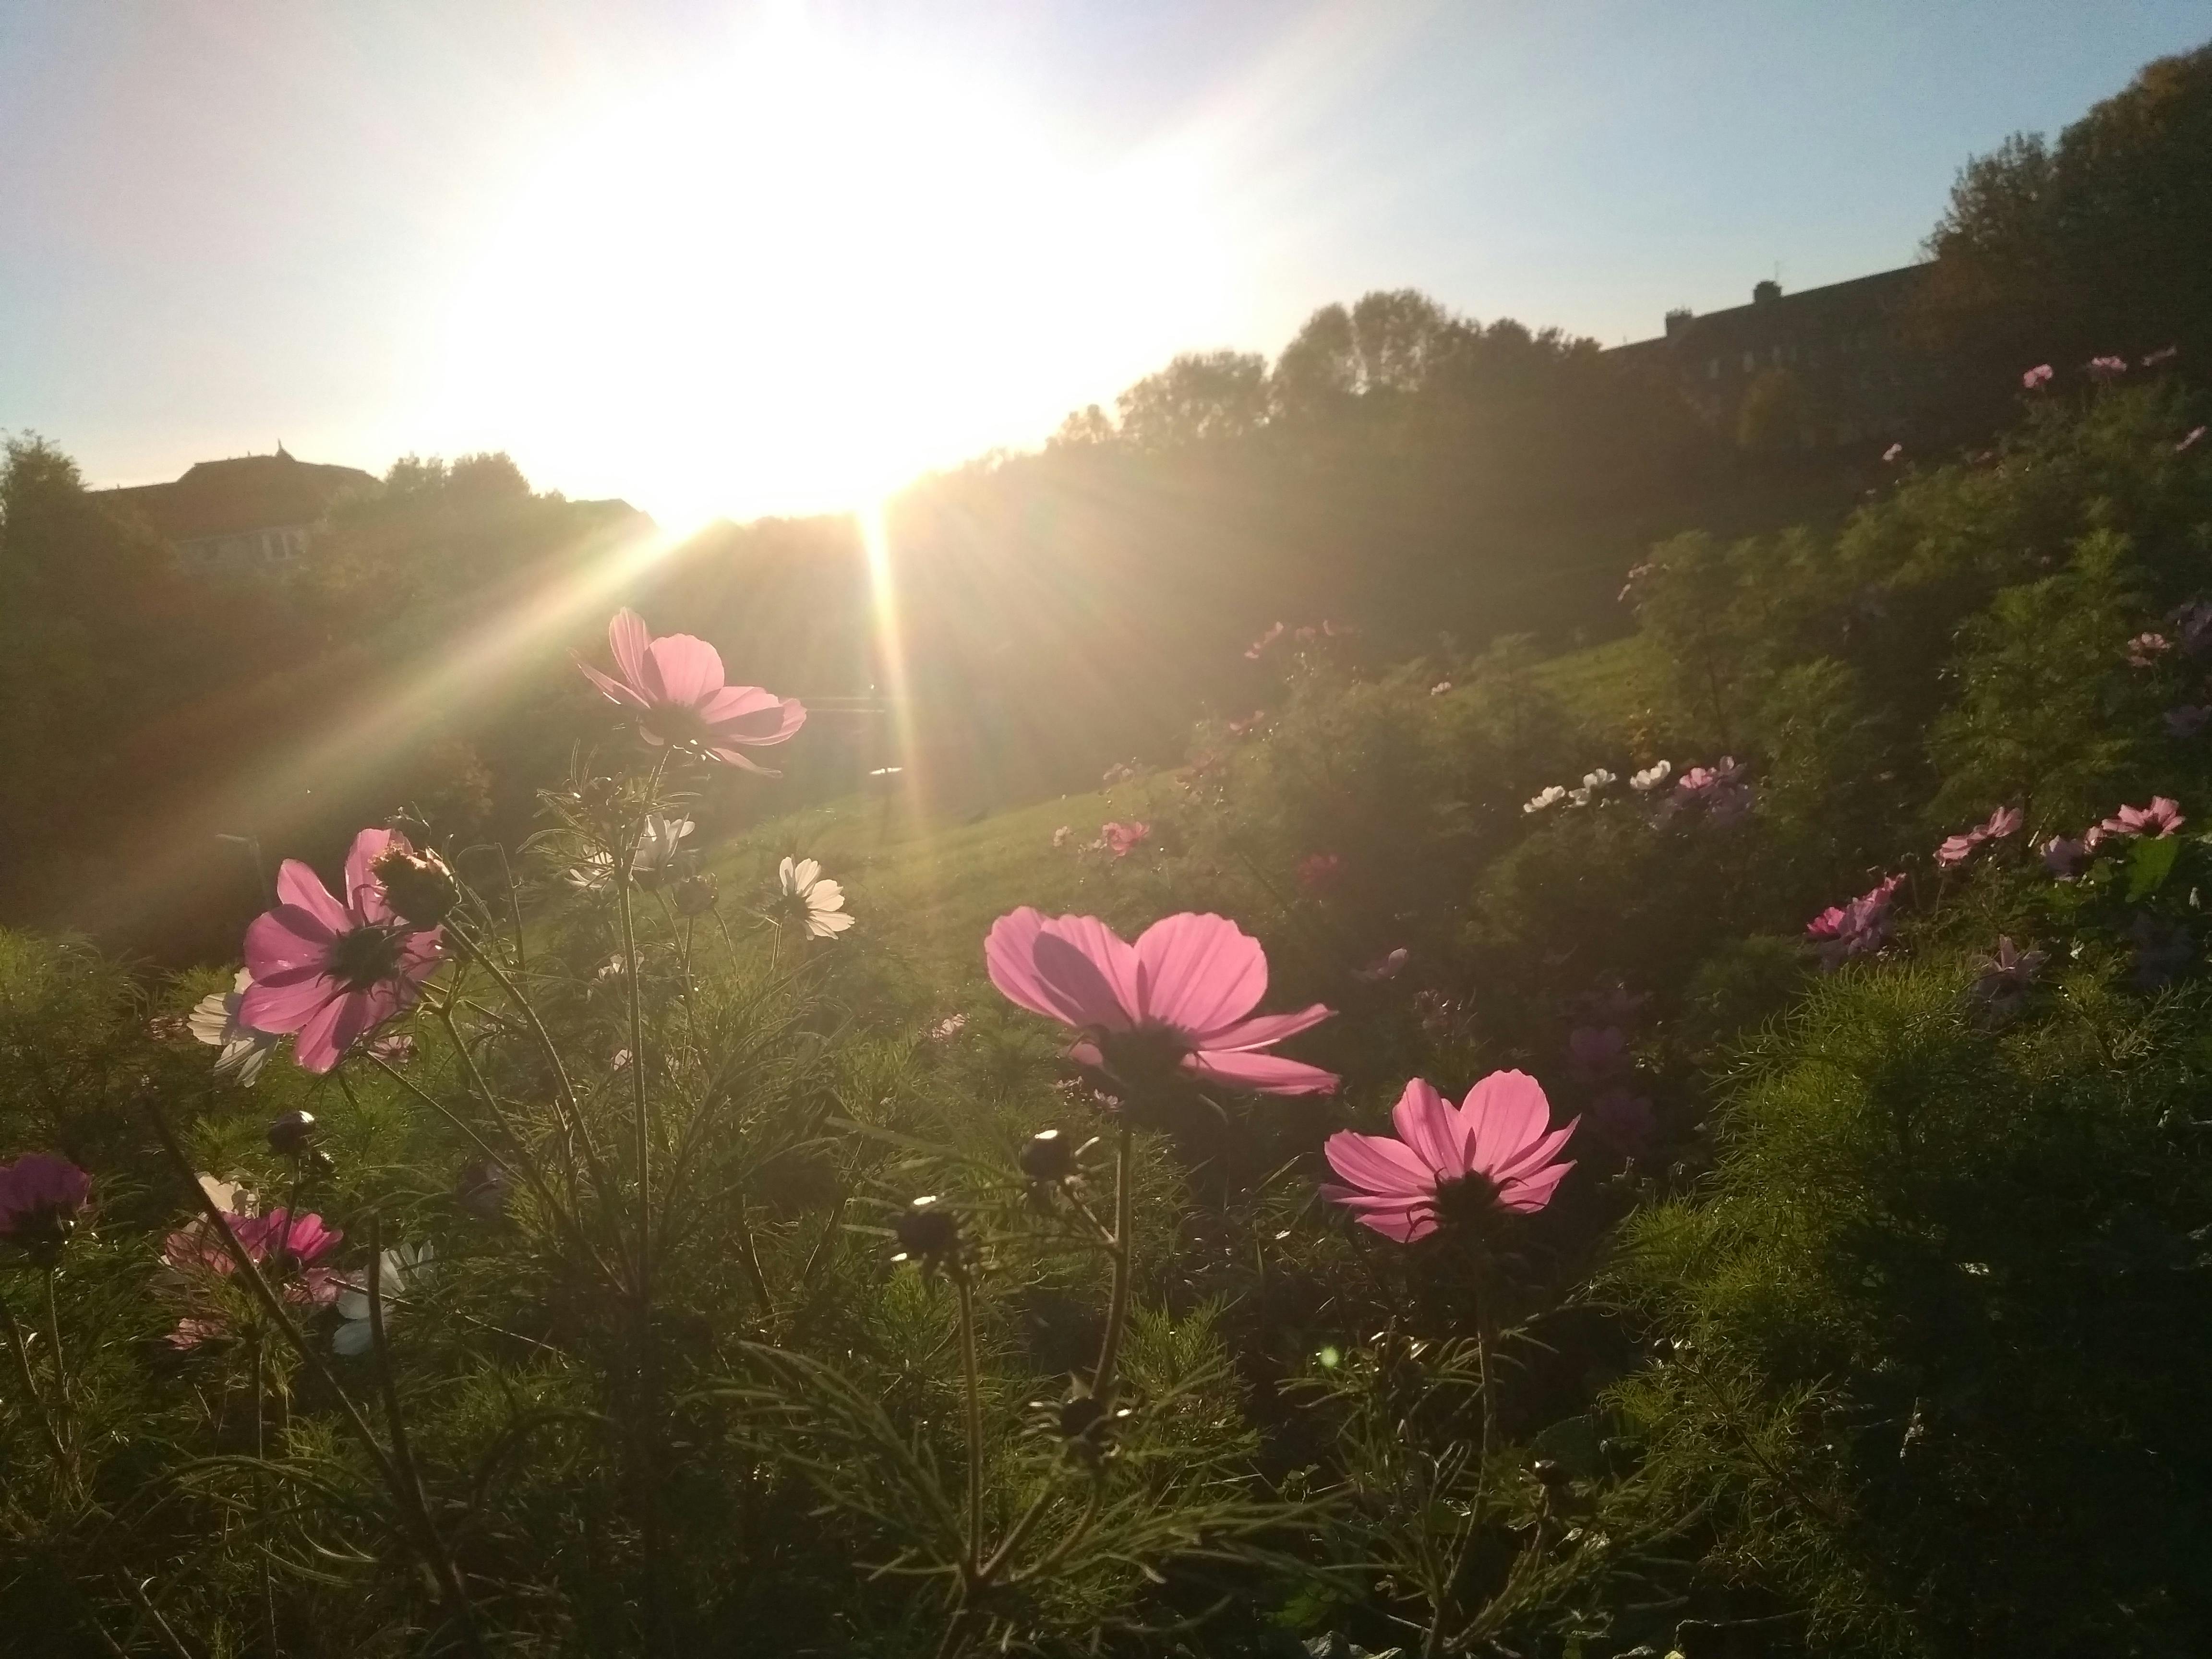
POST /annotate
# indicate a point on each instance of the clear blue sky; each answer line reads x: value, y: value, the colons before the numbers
x: 762, y: 257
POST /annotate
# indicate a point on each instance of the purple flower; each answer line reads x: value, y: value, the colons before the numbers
x: 2064, y: 857
x: 1597, y: 1052
x: 1624, y: 1118
x: 2037, y: 377
x: 2004, y: 979
x: 2194, y: 620
x: 41, y: 1197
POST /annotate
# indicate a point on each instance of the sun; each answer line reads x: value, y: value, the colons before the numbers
x: 793, y: 279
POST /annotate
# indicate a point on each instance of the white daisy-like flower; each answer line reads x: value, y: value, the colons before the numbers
x: 820, y: 903
x: 395, y: 1269
x: 213, y: 1020
x: 1551, y: 796
x: 1598, y: 779
x: 1580, y: 797
x: 1651, y: 777
x: 657, y: 847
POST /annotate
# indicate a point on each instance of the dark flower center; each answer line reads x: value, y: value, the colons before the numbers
x: 1467, y: 1203
x: 1146, y: 1059
x: 676, y: 724
x: 364, y: 957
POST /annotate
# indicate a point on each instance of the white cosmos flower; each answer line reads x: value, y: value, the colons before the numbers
x: 657, y: 847
x: 395, y: 1269
x: 1597, y: 780
x: 1651, y: 777
x: 213, y: 1020
x: 1551, y: 796
x: 822, y: 902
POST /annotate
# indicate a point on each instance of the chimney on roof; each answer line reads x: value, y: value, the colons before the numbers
x: 1765, y: 293
x: 1678, y: 320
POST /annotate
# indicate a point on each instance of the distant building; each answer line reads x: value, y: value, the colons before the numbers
x: 250, y: 513
x: 1829, y: 366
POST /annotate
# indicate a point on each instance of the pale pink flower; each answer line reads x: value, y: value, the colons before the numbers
x: 1859, y: 928
x: 215, y: 1020
x: 674, y: 686
x: 1258, y: 649
x: 1059, y: 836
x: 2158, y: 820
x: 2106, y: 368
x: 2164, y: 354
x: 1895, y: 454
x: 1181, y: 996
x: 2037, y: 376
x: 2145, y: 649
x: 1124, y: 838
x: 1250, y: 723
x: 42, y: 1196
x: 1440, y: 688
x: 2189, y: 439
x: 1957, y: 849
x: 331, y: 973
x: 1494, y: 1152
x: 948, y: 1028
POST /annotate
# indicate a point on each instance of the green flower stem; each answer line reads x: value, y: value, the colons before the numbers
x: 64, y: 1407
x: 16, y: 1347
x: 417, y: 1526
x: 261, y: 1490
x: 971, y: 1386
x: 1117, y: 1301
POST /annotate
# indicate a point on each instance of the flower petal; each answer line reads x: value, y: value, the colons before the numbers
x: 1533, y: 1193
x: 1271, y: 1074
x: 1504, y: 1113
x: 288, y: 1003
x: 1535, y: 1155
x: 286, y: 941
x: 1198, y: 973
x: 1427, y: 1123
x: 1379, y: 1165
x: 300, y: 887
x: 615, y: 691
x: 1264, y: 1030
x: 1010, y: 954
x: 690, y: 670
x: 364, y: 893
x: 628, y: 637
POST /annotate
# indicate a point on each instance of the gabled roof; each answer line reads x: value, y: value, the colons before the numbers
x: 247, y: 492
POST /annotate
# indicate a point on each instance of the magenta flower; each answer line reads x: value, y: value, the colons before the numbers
x: 2145, y: 649
x: 1181, y: 996
x: 41, y: 1197
x: 2158, y: 820
x: 1124, y: 838
x: 290, y: 1250
x: 674, y: 685
x: 333, y: 973
x: 1493, y: 1153
x: 2037, y: 376
x: 2106, y: 368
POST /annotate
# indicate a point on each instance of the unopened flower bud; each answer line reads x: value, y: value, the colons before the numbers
x: 1046, y: 1156
x: 696, y: 895
x: 926, y: 1232
x: 420, y: 885
x: 482, y: 1189
x: 292, y: 1134
x: 1548, y: 1472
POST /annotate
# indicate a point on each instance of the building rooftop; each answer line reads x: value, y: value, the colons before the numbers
x: 246, y: 493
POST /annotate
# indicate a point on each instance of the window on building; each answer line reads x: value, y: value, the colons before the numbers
x: 1750, y: 361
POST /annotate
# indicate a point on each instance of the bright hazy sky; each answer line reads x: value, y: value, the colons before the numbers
x: 778, y: 257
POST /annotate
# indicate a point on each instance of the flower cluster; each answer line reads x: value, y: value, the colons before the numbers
x: 292, y: 1251
x: 1858, y: 929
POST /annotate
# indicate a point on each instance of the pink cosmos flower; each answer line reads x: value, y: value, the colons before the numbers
x: 1181, y: 996
x: 1493, y: 1153
x: 1258, y: 649
x: 674, y: 686
x: 2106, y: 368
x: 42, y: 1196
x: 1893, y: 453
x: 2189, y: 439
x: 331, y: 972
x: 1251, y: 722
x: 2037, y: 376
x: 1957, y: 849
x: 291, y: 1249
x: 2158, y: 820
x: 1124, y: 838
x: 1859, y: 928
x: 2145, y: 649
x: 1319, y: 871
